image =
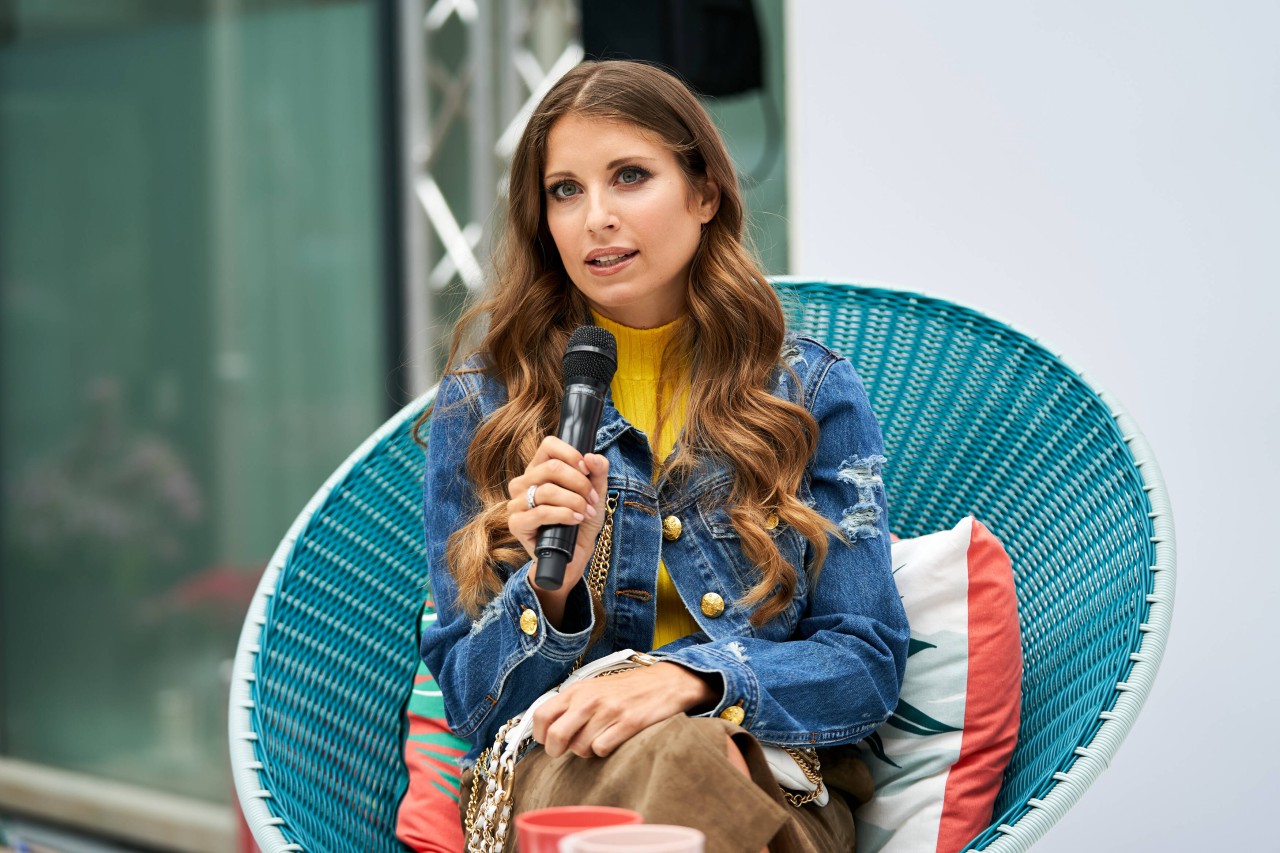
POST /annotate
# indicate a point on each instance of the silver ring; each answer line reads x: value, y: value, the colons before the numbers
x: 531, y: 496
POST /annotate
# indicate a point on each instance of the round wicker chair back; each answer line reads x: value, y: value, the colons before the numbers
x: 978, y: 419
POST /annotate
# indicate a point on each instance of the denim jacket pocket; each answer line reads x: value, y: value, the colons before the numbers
x: 791, y: 545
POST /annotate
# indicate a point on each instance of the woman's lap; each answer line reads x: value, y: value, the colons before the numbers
x: 678, y: 772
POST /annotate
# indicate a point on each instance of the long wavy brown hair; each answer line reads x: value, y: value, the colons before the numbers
x: 730, y: 342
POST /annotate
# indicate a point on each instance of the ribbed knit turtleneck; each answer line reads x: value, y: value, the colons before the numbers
x: 635, y: 395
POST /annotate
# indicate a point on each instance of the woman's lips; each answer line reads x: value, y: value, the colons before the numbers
x: 609, y: 263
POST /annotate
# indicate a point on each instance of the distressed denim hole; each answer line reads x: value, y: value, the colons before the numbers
x: 791, y: 354
x: 863, y: 472
x: 487, y: 616
x: 861, y: 521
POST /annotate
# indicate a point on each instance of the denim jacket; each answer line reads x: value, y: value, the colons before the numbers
x: 826, y: 671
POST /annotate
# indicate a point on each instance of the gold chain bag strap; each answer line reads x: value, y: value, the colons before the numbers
x: 598, y: 571
x: 807, y: 761
x: 488, y: 819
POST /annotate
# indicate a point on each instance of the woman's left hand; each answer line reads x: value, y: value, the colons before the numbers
x: 596, y: 716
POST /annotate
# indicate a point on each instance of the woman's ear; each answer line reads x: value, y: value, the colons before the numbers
x: 709, y: 202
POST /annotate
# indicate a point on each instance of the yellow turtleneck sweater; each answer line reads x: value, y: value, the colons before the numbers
x: 635, y: 395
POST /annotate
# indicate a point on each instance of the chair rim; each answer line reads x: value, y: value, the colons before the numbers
x: 1062, y: 792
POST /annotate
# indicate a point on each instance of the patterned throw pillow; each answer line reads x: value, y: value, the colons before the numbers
x: 428, y: 820
x: 938, y: 761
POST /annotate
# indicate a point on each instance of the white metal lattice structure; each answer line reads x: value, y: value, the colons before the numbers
x: 471, y: 73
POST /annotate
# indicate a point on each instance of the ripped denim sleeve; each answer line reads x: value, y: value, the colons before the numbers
x: 488, y: 616
x: 862, y: 520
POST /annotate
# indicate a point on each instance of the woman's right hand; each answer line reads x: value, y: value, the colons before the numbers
x: 570, y: 488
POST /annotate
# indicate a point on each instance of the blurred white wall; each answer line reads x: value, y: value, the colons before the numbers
x: 1105, y: 176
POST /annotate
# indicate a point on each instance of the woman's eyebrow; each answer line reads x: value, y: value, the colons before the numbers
x: 622, y: 161
x: 609, y: 167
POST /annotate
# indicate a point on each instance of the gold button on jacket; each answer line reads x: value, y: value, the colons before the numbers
x: 712, y: 605
x: 529, y: 622
x: 734, y: 714
x: 771, y: 522
x: 671, y: 528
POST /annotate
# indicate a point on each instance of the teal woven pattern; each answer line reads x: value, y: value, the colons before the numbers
x: 338, y: 654
x: 978, y: 419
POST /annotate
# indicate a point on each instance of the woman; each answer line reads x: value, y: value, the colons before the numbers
x: 733, y: 505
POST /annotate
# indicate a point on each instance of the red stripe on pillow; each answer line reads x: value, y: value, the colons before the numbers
x: 993, y: 694
x: 429, y: 820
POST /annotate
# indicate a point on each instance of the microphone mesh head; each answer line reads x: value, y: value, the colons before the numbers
x: 592, y: 354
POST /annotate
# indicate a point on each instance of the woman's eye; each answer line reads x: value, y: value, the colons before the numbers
x: 562, y: 190
x: 631, y: 176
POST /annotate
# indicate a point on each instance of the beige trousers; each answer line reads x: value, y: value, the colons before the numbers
x: 678, y: 772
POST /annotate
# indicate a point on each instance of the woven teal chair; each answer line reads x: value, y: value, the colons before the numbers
x: 978, y: 418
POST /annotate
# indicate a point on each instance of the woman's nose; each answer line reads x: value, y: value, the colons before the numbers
x: 600, y: 214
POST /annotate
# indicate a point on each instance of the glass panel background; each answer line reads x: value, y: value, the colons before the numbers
x: 753, y: 125
x: 191, y: 284
x: 190, y: 341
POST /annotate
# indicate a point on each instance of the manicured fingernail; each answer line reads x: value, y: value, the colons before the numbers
x: 591, y: 511
x: 577, y: 516
x: 595, y: 498
x: 582, y: 466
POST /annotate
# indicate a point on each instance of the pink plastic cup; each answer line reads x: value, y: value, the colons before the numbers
x: 648, y: 837
x: 540, y: 830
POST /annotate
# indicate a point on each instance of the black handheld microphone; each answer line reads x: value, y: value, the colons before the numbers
x: 589, y: 364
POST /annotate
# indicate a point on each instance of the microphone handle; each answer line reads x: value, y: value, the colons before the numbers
x: 580, y: 413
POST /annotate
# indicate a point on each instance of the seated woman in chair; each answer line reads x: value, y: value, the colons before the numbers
x: 733, y: 505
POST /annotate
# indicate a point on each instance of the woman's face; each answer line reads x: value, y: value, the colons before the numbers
x: 624, y: 218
